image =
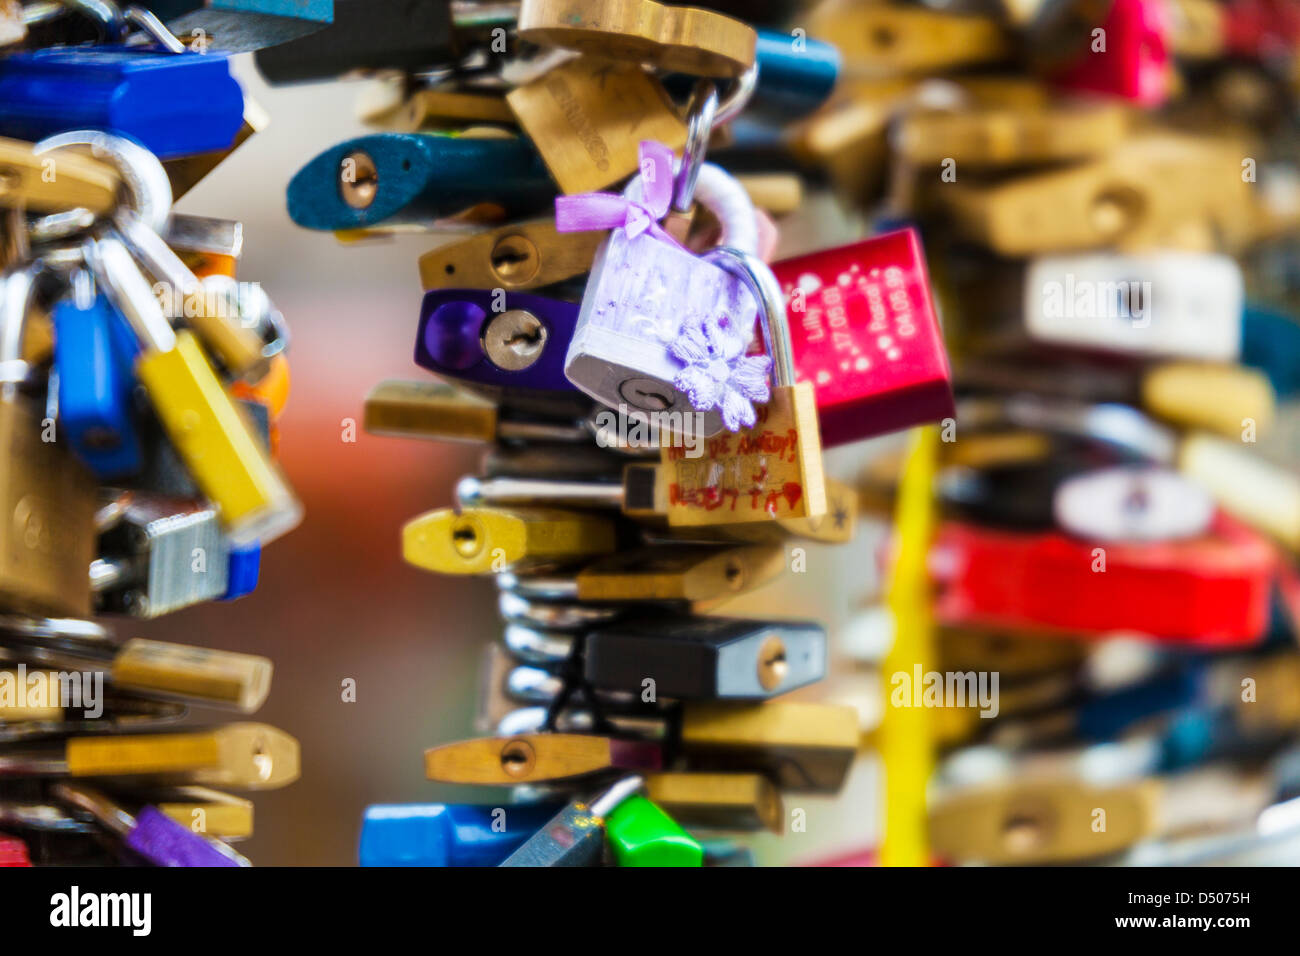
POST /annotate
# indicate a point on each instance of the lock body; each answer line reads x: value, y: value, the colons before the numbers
x: 448, y: 834
x: 96, y: 382
x: 47, y: 498
x: 641, y: 293
x: 174, y: 104
x: 864, y: 333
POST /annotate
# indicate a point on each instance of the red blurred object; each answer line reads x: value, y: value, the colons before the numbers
x: 1261, y: 29
x: 863, y: 330
x: 13, y: 852
x: 1210, y: 591
x: 1135, y: 62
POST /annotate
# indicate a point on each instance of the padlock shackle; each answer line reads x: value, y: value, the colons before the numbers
x: 148, y: 189
x: 763, y: 286
x: 701, y: 113
x: 19, y: 289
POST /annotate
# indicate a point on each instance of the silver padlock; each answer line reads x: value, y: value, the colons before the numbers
x: 161, y: 554
x: 644, y: 289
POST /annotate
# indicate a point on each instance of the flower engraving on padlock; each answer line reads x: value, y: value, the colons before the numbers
x: 662, y: 333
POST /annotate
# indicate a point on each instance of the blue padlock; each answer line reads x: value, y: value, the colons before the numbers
x: 416, y: 177
x: 796, y: 74
x: 95, y: 385
x: 1105, y: 716
x: 243, y: 569
x: 448, y: 834
x: 173, y: 104
x: 1270, y: 342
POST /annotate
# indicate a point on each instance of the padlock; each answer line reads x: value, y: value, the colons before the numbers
x: 484, y: 540
x: 705, y: 658
x: 384, y: 35
x: 245, y: 755
x: 208, y: 431
x: 199, y: 675
x: 1009, y: 136
x: 1228, y: 400
x: 680, y: 38
x: 174, y: 104
x: 1041, y: 822
x: 78, y: 181
x: 442, y: 412
x: 150, y: 834
x: 388, y: 178
x: 96, y: 382
x: 439, y: 107
x: 168, y: 553
x: 576, y: 835
x: 772, y: 470
x: 727, y: 801
x: 642, y: 834
x: 13, y: 851
x: 804, y: 747
x: 522, y: 255
x: 576, y: 114
x: 48, y: 540
x: 448, y: 834
x: 646, y: 291
x: 536, y: 758
x: 1209, y: 591
x: 239, y: 26
x: 864, y: 332
x: 1132, y: 61
x: 1133, y: 503
x: 664, y: 572
x: 1176, y: 304
x: 1270, y: 342
x: 221, y: 815
x: 890, y: 39
x: 496, y: 339
x: 1246, y: 485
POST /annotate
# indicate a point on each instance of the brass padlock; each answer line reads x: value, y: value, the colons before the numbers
x: 770, y: 471
x: 577, y: 115
x: 47, y: 498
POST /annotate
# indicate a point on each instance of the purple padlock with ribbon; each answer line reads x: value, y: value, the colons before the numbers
x: 660, y: 329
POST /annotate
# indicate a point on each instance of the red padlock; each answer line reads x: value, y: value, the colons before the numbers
x: 1213, y: 590
x: 863, y: 331
x: 13, y: 852
x: 1127, y: 55
x: 1261, y: 29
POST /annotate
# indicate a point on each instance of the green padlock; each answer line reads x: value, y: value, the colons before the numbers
x: 643, y: 835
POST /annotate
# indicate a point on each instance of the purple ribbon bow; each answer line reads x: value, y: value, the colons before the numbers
x: 589, y: 211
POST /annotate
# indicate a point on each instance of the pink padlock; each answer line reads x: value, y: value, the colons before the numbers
x: 863, y: 330
x: 1127, y: 56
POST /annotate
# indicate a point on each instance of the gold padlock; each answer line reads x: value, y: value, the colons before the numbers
x: 772, y: 470
x: 577, y: 116
x: 47, y: 498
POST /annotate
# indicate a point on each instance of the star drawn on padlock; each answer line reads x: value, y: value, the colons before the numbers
x: 718, y: 374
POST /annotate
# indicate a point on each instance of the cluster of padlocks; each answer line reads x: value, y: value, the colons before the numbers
x: 140, y: 387
x: 1087, y: 650
x: 1118, y: 506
